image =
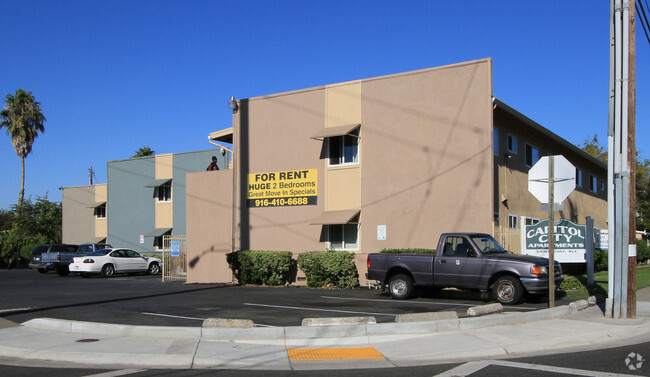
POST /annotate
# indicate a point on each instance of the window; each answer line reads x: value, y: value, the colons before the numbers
x: 532, y: 155
x: 531, y: 221
x: 593, y: 184
x: 512, y: 144
x: 497, y: 221
x: 578, y: 178
x: 163, y: 193
x: 344, y: 237
x: 495, y: 142
x: 602, y: 185
x: 344, y: 149
x: 100, y: 211
x: 513, y: 222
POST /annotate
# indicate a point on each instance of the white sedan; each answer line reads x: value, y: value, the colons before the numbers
x: 110, y: 261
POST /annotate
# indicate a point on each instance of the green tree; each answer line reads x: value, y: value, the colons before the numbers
x: 23, y: 117
x: 33, y: 223
x: 594, y: 148
x: 642, y: 180
x: 143, y: 152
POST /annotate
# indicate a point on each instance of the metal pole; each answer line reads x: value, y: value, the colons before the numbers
x: 611, y: 208
x: 589, y: 246
x: 551, y: 232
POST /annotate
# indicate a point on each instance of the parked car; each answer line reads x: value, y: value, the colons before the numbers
x: 42, y: 267
x: 60, y: 260
x: 108, y: 262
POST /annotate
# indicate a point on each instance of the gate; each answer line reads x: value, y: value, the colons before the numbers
x: 174, y: 257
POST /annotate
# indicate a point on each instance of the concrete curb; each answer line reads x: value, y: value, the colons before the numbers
x: 302, y: 332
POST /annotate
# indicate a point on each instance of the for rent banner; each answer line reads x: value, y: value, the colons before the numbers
x: 283, y: 188
x: 569, y: 238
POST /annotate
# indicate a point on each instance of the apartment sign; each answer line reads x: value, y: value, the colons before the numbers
x: 283, y: 188
x: 569, y: 246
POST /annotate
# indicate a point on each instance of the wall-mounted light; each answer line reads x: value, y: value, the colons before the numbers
x: 232, y: 104
x: 508, y: 155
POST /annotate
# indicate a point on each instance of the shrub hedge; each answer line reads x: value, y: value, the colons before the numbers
x: 261, y: 267
x: 433, y: 251
x: 323, y: 268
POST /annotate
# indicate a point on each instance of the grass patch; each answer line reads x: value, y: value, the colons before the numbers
x: 575, y: 286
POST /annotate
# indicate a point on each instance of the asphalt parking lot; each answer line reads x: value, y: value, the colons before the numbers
x: 146, y: 300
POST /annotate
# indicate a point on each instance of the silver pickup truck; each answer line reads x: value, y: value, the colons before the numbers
x: 467, y: 261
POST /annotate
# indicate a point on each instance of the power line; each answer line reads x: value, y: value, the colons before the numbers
x: 644, y: 20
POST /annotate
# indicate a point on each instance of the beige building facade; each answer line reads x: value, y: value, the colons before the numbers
x: 386, y: 162
x: 84, y: 214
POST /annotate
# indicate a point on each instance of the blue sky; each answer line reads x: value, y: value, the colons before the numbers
x: 113, y: 76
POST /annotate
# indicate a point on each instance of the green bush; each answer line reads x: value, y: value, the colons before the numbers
x: 600, y: 260
x: 642, y: 251
x: 260, y: 267
x: 571, y: 284
x: 323, y: 268
x: 393, y: 251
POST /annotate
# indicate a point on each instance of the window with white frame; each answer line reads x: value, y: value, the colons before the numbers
x: 578, y: 178
x: 593, y: 183
x: 532, y: 155
x: 163, y: 193
x: 100, y: 211
x: 343, y: 236
x: 513, y: 222
x: 531, y: 221
x: 344, y: 149
x: 512, y: 144
x: 495, y: 141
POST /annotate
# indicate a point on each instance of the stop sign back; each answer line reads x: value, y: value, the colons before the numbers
x: 564, y: 178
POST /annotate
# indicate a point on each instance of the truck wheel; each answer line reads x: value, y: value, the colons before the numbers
x: 400, y: 286
x: 108, y: 270
x: 507, y: 290
x: 63, y: 271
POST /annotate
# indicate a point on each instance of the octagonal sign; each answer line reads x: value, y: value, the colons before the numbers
x: 564, y: 178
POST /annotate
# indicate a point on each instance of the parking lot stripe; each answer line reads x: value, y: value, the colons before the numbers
x: 316, y: 309
x: 174, y: 316
x: 322, y: 354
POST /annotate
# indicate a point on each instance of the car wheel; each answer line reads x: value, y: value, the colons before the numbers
x: 154, y: 269
x: 42, y: 270
x: 508, y: 290
x: 108, y: 270
x: 63, y: 271
x: 401, y: 286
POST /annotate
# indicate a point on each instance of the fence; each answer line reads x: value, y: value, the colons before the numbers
x: 174, y: 257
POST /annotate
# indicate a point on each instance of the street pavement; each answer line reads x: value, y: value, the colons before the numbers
x: 569, y: 328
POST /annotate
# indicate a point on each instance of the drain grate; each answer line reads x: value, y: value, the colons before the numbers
x: 87, y: 340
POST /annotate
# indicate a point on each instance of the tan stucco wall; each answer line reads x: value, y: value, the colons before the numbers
x: 427, y: 157
x: 209, y: 198
x: 78, y: 214
x: 164, y: 217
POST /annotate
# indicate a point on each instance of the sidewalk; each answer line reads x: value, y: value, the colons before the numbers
x: 573, y: 327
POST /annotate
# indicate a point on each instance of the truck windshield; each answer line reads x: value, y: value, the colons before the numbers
x: 488, y: 244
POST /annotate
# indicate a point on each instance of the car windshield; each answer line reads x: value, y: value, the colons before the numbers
x: 488, y: 244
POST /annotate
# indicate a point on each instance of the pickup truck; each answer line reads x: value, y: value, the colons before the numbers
x: 59, y: 260
x: 473, y: 261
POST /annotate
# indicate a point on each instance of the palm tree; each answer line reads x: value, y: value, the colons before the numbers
x: 23, y: 117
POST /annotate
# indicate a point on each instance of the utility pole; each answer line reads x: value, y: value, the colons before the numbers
x: 90, y: 176
x: 631, y: 151
x: 621, y: 164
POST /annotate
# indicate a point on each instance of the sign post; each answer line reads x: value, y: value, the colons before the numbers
x: 551, y: 232
x: 551, y: 180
